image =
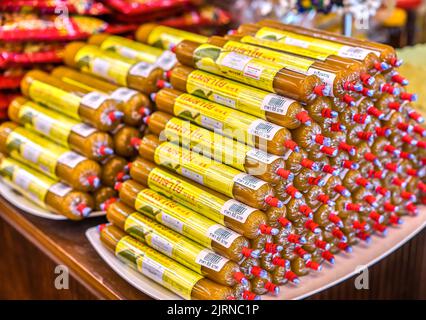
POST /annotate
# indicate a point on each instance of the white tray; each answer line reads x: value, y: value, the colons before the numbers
x: 133, y: 277
x: 30, y: 207
x: 345, y: 267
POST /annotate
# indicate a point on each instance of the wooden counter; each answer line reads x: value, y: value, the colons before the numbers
x: 32, y: 247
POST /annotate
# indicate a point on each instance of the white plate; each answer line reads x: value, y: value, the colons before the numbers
x: 345, y: 267
x: 133, y: 277
x: 30, y: 207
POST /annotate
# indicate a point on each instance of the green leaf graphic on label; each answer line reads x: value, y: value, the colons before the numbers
x: 83, y: 62
x: 149, y: 210
x: 137, y: 232
x: 186, y: 114
x: 14, y: 145
x: 128, y: 256
x: 270, y: 37
x: 212, y: 53
x: 158, y: 44
x: 7, y: 172
x: 27, y: 117
x: 200, y: 93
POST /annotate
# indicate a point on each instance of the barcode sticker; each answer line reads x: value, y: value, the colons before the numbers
x: 211, y: 123
x: 60, y: 189
x: 83, y: 130
x: 276, y: 104
x: 161, y: 244
x: 325, y: 76
x: 166, y: 61
x: 224, y: 100
x: 262, y: 156
x: 235, y: 61
x: 263, y: 129
x: 222, y: 235
x: 93, y: 100
x: 152, y: 269
x: 123, y: 94
x: 142, y: 69
x: 236, y: 210
x: 171, y: 222
x: 192, y: 175
x: 71, y: 159
x: 211, y: 260
x: 249, y: 181
x: 355, y: 52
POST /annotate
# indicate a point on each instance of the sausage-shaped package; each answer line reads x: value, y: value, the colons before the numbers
x: 172, y: 244
x: 256, y: 162
x: 134, y: 104
x: 339, y: 80
x: 184, y: 221
x: 91, y: 107
x: 45, y: 191
x: 124, y: 137
x: 384, y: 52
x: 230, y: 182
x: 274, y: 108
x: 111, y: 66
x: 226, y: 121
x: 229, y: 212
x: 114, y: 169
x: 161, y: 269
x: 165, y: 37
x: 67, y: 132
x: 261, y: 74
x: 45, y: 156
x: 332, y: 52
x: 127, y: 48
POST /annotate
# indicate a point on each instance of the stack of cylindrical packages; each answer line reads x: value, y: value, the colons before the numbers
x: 270, y: 151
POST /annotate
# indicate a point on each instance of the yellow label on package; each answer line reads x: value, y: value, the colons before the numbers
x: 174, y: 216
x: 46, y: 122
x: 34, y: 150
x: 30, y: 183
x: 55, y: 98
x: 207, y: 143
x: 167, y: 38
x: 193, y: 166
x: 107, y: 65
x: 215, y: 117
x: 236, y: 95
x: 321, y: 48
x: 157, y: 267
x: 172, y: 244
x: 252, y: 71
x: 200, y: 200
x: 284, y: 60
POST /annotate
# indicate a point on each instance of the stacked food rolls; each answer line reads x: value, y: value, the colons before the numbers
x: 242, y: 162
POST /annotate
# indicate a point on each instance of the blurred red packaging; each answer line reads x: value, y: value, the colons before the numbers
x: 86, y: 7
x: 27, y: 53
x: 136, y: 7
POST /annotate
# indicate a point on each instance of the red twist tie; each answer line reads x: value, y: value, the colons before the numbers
x: 307, y: 163
x: 337, y: 233
x: 313, y: 265
x: 394, y: 106
x: 421, y: 186
x: 406, y: 195
x: 256, y: 271
x: 323, y: 198
x: 319, y: 138
x: 239, y: 276
x: 389, y: 148
x: 405, y: 155
x: 403, y: 126
x: 407, y: 139
x: 328, y: 169
x: 363, y: 235
x: 373, y: 111
x: 419, y: 130
x: 353, y: 207
x: 248, y: 295
x: 375, y: 216
x: 336, y: 127
x: 348, y: 99
x: 365, y: 135
x: 284, y: 221
x: 360, y: 118
x: 290, y: 144
x: 293, y: 238
x: 348, y: 164
x: 379, y: 227
x: 313, y: 181
x: 270, y: 286
x: 291, y: 191
x: 290, y: 276
x: 311, y: 225
x: 391, y: 166
x: 370, y: 199
x: 326, y: 113
x: 328, y: 150
x: 359, y: 225
x: 362, y: 182
x: 340, y: 189
x: 278, y: 261
x: 411, y: 207
x: 412, y: 172
x: 327, y: 255
x: 300, y: 251
x: 303, y: 117
x: 397, y: 182
x: 306, y: 210
x: 246, y: 252
x: 334, y: 218
x: 407, y: 97
x: 370, y: 157
x: 393, y: 219
x: 421, y: 144
x: 342, y: 245
x: 271, y: 247
x: 389, y: 207
x: 382, y: 190
x: 321, y: 244
x: 265, y: 229
x: 398, y: 78
x: 381, y: 131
